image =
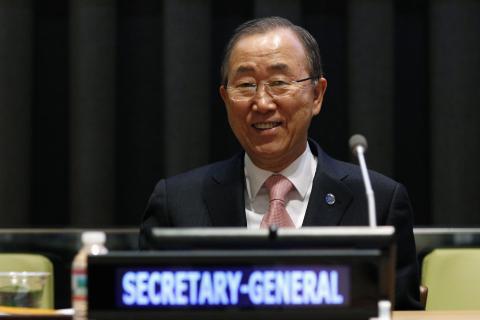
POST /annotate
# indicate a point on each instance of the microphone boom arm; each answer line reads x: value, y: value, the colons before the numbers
x: 372, y: 219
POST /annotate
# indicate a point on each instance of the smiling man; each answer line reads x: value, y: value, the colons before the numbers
x: 272, y: 87
x: 271, y: 95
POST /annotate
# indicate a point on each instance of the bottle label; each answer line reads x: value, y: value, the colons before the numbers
x: 79, y: 284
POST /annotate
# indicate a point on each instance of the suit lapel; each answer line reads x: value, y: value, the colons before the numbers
x: 223, y: 193
x: 327, y: 180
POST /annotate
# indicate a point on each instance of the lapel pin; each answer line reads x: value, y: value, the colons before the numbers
x: 330, y: 199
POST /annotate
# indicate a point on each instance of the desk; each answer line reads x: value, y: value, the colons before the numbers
x: 397, y: 315
x: 436, y: 315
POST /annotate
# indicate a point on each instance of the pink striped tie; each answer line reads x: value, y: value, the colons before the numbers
x: 277, y: 215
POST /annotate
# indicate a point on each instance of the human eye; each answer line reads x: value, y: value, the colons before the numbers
x: 278, y: 83
x: 245, y: 85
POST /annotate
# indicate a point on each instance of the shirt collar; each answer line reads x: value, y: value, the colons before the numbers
x: 300, y: 172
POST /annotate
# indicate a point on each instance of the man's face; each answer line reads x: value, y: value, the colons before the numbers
x: 272, y: 130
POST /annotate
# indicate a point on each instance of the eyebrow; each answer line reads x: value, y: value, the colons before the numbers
x: 243, y: 69
x: 279, y: 67
x: 273, y: 67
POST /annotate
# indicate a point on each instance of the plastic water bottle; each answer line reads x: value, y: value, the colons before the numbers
x: 93, y: 243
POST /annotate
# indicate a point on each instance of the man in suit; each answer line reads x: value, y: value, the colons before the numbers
x: 272, y: 86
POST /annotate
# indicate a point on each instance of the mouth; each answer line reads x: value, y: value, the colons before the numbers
x: 266, y: 125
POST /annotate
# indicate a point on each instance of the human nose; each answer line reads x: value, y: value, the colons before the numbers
x: 263, y: 101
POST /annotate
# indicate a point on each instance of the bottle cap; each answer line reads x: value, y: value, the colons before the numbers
x: 384, y: 310
x: 94, y: 237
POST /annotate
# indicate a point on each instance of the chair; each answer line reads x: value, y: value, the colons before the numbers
x: 452, y: 277
x: 30, y: 263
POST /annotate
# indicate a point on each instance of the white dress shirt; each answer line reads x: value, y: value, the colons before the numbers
x: 300, y: 173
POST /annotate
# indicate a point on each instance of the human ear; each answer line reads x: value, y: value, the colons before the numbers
x: 223, y: 93
x: 319, y: 91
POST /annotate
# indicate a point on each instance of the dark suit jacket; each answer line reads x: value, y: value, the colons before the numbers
x: 213, y: 196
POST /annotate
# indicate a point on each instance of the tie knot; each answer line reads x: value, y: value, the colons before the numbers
x: 278, y: 186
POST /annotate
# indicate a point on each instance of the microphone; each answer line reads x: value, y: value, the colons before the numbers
x: 358, y: 145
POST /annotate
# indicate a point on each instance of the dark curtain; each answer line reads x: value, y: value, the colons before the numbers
x: 100, y: 99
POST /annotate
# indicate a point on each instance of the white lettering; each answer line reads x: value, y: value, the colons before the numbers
x: 220, y: 287
x: 336, y: 297
x: 282, y: 280
x: 309, y: 284
x: 323, y: 288
x: 193, y: 278
x: 261, y: 287
x: 128, y: 285
x: 296, y: 287
x: 167, y: 287
x: 142, y: 278
x: 269, y: 288
x: 180, y: 288
x: 234, y: 279
x: 153, y: 281
x: 255, y: 287
x: 205, y: 291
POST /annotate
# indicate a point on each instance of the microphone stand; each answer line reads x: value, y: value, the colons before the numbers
x: 358, y: 143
